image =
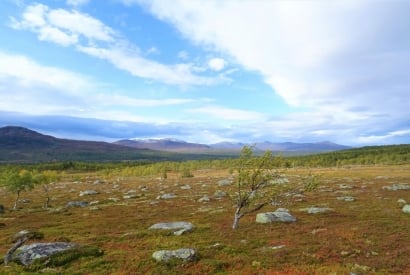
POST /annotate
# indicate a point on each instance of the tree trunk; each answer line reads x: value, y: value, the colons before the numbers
x: 17, y: 199
x: 47, y: 198
x: 236, y: 219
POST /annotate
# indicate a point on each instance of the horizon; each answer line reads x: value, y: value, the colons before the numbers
x: 208, y: 72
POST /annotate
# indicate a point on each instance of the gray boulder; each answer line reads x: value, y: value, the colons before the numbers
x: 219, y: 194
x: 28, y: 253
x: 205, y: 198
x: 182, y: 226
x: 345, y: 198
x: 399, y: 186
x: 184, y: 254
x: 77, y: 204
x: 406, y: 209
x: 224, y: 182
x: 280, y: 215
x: 167, y: 196
x: 88, y: 193
x: 316, y: 210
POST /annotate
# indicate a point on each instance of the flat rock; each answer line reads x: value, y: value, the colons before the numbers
x: 280, y: 215
x: 406, y: 209
x: 224, y: 182
x: 399, y: 186
x: 28, y: 253
x: 345, y: 198
x: 77, y: 204
x: 182, y: 226
x: 167, y: 196
x: 205, y: 198
x: 88, y: 193
x: 316, y: 210
x: 184, y: 254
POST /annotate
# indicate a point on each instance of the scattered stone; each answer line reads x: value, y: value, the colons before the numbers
x: 401, y: 201
x: 77, y: 204
x: 277, y: 247
x: 25, y: 201
x: 219, y: 194
x: 205, y: 198
x: 280, y: 181
x: 88, y: 193
x: 345, y: 186
x: 94, y: 202
x: 98, y: 182
x: 27, y: 254
x: 113, y: 199
x: 316, y: 210
x: 224, y: 182
x: 184, y: 254
x: 182, y: 226
x: 318, y: 230
x: 185, y: 187
x: 280, y: 215
x: 406, y: 209
x: 345, y: 198
x: 399, y: 186
x: 132, y: 191
x: 130, y: 196
x: 167, y: 196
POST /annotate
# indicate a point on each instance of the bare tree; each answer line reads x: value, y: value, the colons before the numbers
x: 258, y: 184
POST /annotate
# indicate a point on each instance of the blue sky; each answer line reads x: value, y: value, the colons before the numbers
x: 208, y: 71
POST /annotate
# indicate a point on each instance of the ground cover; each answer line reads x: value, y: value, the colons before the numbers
x: 366, y: 235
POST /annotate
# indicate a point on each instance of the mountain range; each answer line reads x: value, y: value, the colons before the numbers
x: 18, y: 144
x: 172, y: 145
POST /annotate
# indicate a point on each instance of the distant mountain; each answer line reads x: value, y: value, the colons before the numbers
x: 317, y: 147
x: 18, y: 144
x: 170, y: 145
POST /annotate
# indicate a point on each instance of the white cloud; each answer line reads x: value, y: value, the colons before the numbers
x: 224, y: 113
x: 342, y: 60
x: 27, y: 73
x: 91, y: 36
x: 77, y: 3
x: 216, y: 64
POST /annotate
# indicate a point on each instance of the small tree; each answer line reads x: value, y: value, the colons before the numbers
x: 44, y: 179
x: 16, y: 182
x: 258, y: 184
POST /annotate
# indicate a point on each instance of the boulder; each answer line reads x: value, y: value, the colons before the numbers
x: 77, y: 204
x: 345, y: 198
x: 28, y: 253
x: 184, y: 254
x: 280, y: 215
x: 167, y: 196
x: 205, y: 198
x: 224, y: 182
x: 316, y: 210
x: 399, y: 186
x: 406, y: 209
x: 219, y: 194
x: 54, y: 254
x: 88, y: 193
x: 182, y: 226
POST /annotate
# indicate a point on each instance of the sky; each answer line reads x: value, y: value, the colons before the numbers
x: 208, y: 71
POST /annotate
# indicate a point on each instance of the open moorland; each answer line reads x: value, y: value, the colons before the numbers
x: 360, y: 226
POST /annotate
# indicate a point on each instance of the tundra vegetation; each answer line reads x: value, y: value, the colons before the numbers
x: 354, y: 221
